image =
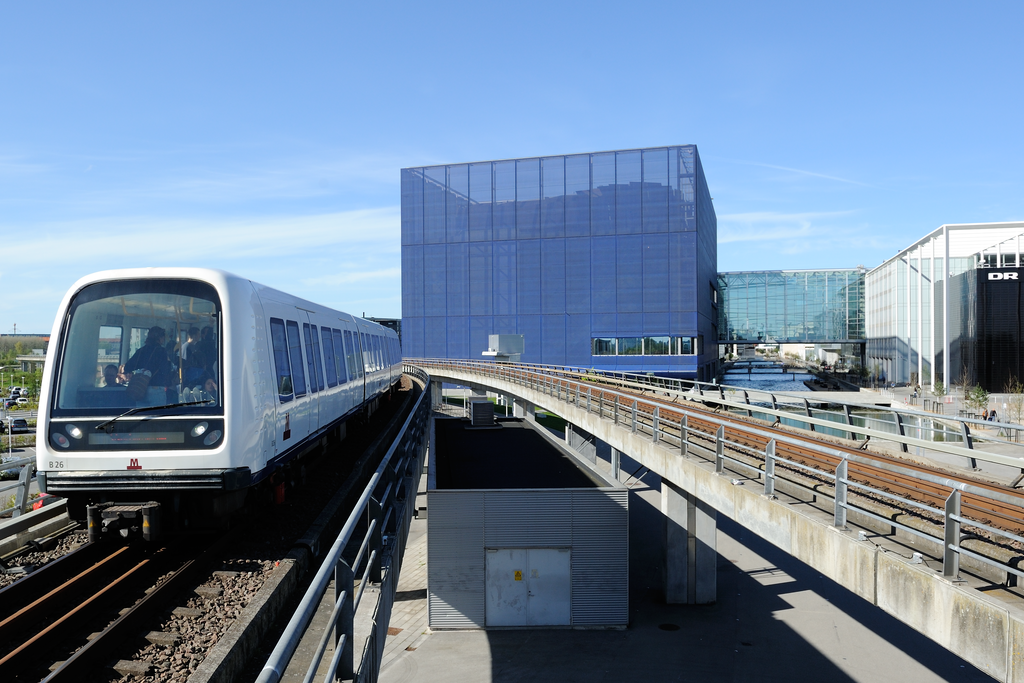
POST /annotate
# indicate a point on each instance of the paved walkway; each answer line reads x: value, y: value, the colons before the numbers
x: 775, y: 620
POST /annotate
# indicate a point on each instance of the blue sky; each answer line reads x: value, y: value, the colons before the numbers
x: 266, y: 139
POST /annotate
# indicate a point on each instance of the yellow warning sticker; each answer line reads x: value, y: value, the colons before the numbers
x: 519, y: 575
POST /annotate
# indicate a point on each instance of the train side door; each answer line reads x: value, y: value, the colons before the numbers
x: 314, y: 368
x: 292, y: 423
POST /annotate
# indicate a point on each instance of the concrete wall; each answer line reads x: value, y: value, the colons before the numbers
x: 981, y: 629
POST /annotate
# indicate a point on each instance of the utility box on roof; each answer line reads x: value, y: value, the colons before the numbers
x: 522, y: 531
x: 505, y: 348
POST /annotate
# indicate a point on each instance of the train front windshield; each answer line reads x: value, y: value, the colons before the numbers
x: 140, y: 343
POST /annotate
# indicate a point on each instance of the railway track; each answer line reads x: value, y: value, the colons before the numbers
x: 748, y: 439
x: 50, y: 616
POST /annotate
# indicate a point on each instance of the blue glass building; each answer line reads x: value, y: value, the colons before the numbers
x: 604, y: 260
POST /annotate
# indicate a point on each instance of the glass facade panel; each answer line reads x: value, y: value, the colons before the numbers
x: 628, y: 195
x: 480, y: 202
x: 528, y: 199
x: 552, y: 215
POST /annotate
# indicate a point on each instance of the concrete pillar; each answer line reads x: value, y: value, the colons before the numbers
x: 581, y: 442
x: 435, y: 395
x: 690, y: 548
x: 530, y: 411
x: 615, y: 461
x: 517, y: 408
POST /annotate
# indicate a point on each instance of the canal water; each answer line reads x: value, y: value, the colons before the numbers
x: 772, y: 376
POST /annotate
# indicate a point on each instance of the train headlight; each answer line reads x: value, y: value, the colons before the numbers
x: 200, y: 429
x: 60, y: 440
x: 212, y: 437
x: 74, y: 431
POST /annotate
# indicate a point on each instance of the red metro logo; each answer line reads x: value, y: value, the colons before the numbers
x: 133, y: 464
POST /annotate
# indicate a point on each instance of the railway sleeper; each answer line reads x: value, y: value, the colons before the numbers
x: 807, y: 489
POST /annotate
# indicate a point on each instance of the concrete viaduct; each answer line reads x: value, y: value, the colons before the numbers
x: 980, y: 628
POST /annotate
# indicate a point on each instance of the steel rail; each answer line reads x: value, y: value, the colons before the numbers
x: 473, y: 366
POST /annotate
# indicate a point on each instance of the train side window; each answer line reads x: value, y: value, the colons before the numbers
x: 339, y: 355
x: 310, y: 368
x: 318, y: 362
x: 295, y: 353
x: 329, y: 366
x: 365, y: 346
x: 380, y: 353
x: 352, y: 354
x: 284, y: 372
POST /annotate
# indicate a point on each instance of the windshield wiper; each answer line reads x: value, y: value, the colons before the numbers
x: 141, y: 409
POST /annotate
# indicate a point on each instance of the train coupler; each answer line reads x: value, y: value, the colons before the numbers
x: 128, y: 520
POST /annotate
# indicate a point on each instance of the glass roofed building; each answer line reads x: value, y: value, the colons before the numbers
x: 792, y: 306
x: 603, y: 260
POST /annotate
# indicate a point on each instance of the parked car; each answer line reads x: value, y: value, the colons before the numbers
x: 24, y: 392
x: 22, y: 401
x: 20, y: 426
x: 10, y: 403
x: 3, y: 427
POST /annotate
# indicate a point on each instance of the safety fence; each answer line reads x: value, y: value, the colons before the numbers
x: 366, y: 554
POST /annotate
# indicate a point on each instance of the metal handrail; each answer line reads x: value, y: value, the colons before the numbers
x: 527, y: 375
x: 718, y: 399
x: 22, y: 499
x: 406, y: 450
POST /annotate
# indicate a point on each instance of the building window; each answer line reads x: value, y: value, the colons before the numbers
x: 657, y: 346
x: 645, y: 346
x: 630, y: 346
x: 603, y: 346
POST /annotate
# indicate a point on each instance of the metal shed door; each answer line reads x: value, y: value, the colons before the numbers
x: 528, y: 587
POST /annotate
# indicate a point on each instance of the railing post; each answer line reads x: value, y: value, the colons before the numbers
x: 849, y: 421
x: 965, y: 432
x: 840, y: 502
x: 807, y: 411
x: 775, y: 404
x: 899, y: 423
x: 951, y: 553
x: 684, y: 437
x: 720, y: 449
x: 373, y: 512
x: 600, y: 404
x: 22, y: 497
x: 616, y: 414
x: 654, y: 426
x: 590, y: 392
x: 577, y: 394
x: 746, y: 399
x: 634, y: 417
x: 769, y: 469
x: 344, y: 632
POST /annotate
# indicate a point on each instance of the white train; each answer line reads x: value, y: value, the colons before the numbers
x: 190, y: 387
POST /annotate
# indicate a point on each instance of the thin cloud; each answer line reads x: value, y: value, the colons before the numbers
x: 813, y: 174
x: 765, y: 226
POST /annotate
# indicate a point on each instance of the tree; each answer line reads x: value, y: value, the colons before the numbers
x: 1015, y: 399
x: 939, y: 389
x: 976, y: 398
x: 964, y: 381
